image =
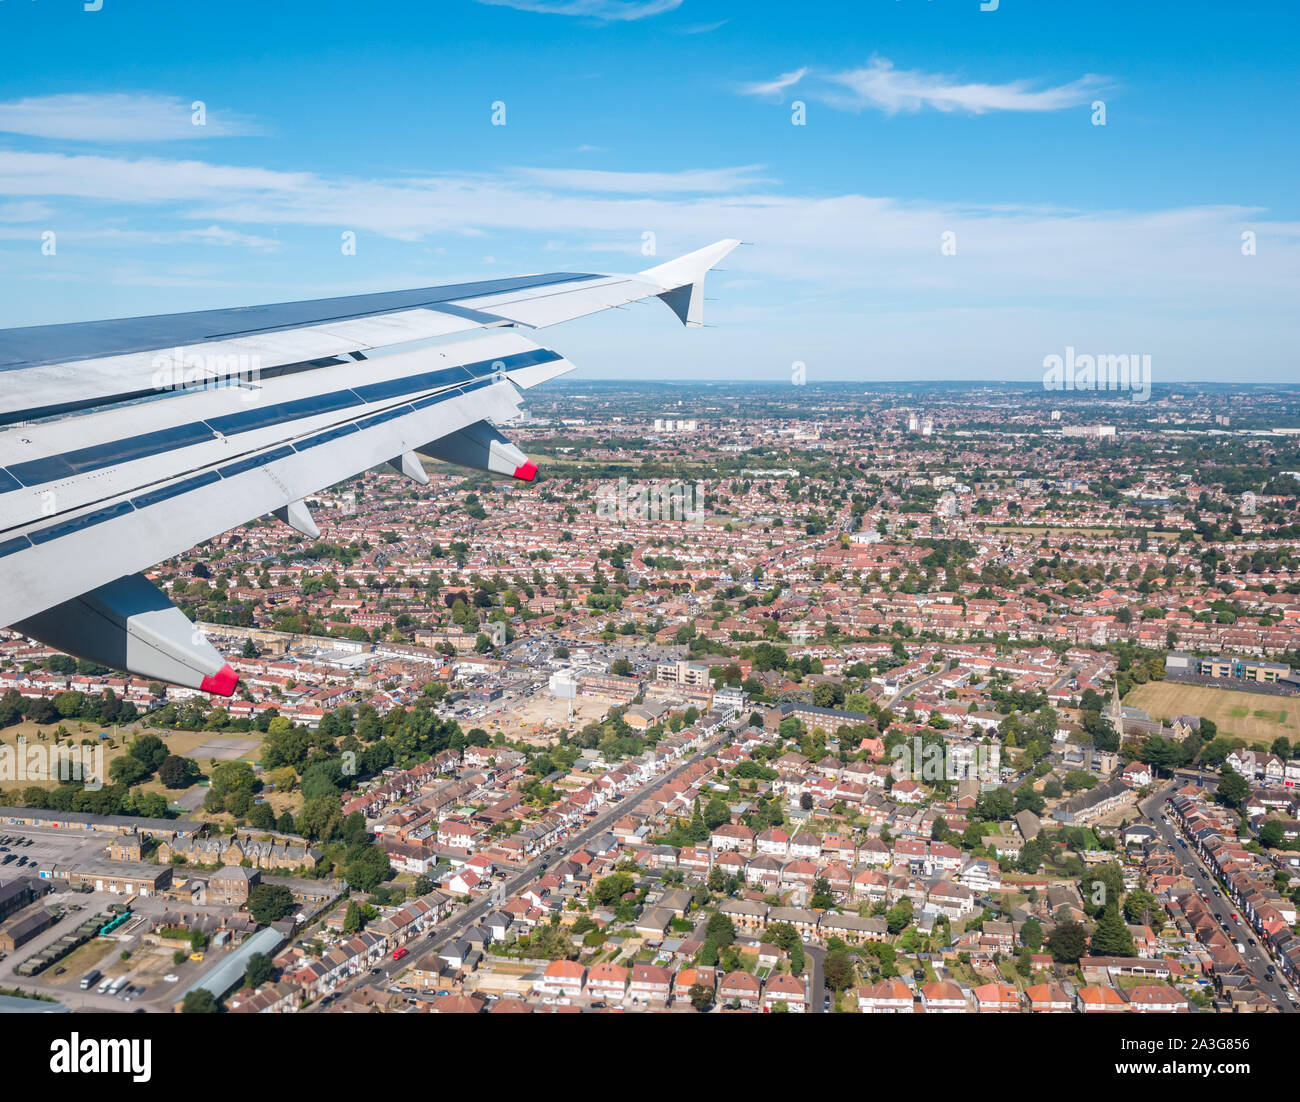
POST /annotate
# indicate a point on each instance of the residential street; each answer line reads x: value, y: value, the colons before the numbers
x: 1201, y: 874
x: 463, y: 919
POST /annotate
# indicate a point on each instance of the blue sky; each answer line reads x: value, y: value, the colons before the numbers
x: 673, y: 117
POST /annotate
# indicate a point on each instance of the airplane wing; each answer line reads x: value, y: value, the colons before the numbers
x: 125, y: 442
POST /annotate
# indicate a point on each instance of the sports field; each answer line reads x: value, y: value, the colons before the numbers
x: 1256, y: 717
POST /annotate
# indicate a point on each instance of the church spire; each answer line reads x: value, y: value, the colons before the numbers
x: 1115, y: 710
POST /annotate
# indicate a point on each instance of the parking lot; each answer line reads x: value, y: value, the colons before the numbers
x: 35, y: 850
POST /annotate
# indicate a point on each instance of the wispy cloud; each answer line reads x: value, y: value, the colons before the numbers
x: 117, y: 117
x: 209, y: 235
x: 880, y: 86
x: 690, y: 181
x: 874, y: 248
x: 701, y: 28
x: 773, y: 87
x: 610, y: 11
x: 830, y: 264
x: 29, y: 210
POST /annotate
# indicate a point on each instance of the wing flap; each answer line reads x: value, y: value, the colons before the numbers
x: 123, y: 538
x: 64, y: 465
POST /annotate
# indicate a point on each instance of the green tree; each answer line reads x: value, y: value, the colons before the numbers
x: 899, y: 916
x: 838, y: 970
x: 1271, y: 834
x: 720, y: 930
x: 262, y: 816
x: 701, y: 997
x: 1141, y: 906
x: 1112, y: 938
x: 783, y: 935
x: 258, y: 971
x: 821, y: 898
x: 199, y: 1002
x: 269, y: 903
x: 1067, y: 943
x: 608, y: 890
x: 353, y: 919
x: 368, y: 869
x: 1031, y: 934
x: 1233, y: 788
x: 716, y: 812
x: 697, y: 831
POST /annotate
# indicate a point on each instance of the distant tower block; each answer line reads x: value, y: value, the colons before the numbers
x: 1056, y: 415
x: 1248, y: 504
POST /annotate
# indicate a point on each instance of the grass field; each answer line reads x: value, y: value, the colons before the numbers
x: 178, y: 742
x: 1256, y: 717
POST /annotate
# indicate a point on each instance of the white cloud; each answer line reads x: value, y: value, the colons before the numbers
x: 116, y: 117
x: 774, y: 87
x: 111, y: 235
x: 891, y: 90
x: 620, y: 11
x: 709, y: 180
x: 702, y: 28
x: 142, y: 180
x: 832, y: 267
x: 850, y: 241
x: 29, y: 210
x: 879, y: 85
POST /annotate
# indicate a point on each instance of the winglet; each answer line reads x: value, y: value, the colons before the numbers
x: 682, y: 280
x: 221, y: 683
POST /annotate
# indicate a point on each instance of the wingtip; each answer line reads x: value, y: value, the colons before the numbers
x: 221, y: 683
x: 690, y: 267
